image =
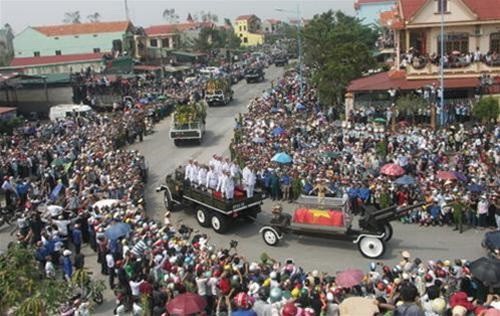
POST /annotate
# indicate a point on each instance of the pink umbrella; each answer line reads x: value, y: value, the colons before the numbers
x: 186, y: 304
x: 446, y: 175
x: 349, y: 278
x: 392, y: 169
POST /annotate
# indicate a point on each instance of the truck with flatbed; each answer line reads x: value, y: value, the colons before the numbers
x: 188, y: 123
x: 210, y: 209
x: 218, y: 91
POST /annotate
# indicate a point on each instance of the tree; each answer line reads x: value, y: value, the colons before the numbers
x: 94, y: 17
x: 72, y: 17
x: 487, y: 110
x: 216, y: 38
x: 170, y: 16
x: 208, y: 17
x: 338, y: 48
x: 409, y: 105
x: 23, y: 287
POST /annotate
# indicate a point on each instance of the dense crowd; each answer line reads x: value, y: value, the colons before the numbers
x: 349, y: 158
x: 75, y: 163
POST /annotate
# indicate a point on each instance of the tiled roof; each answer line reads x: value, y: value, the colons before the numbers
x: 173, y: 28
x: 391, y: 19
x: 4, y: 110
x: 273, y: 21
x: 390, y: 80
x: 83, y: 28
x: 54, y: 59
x: 246, y: 17
x: 484, y: 9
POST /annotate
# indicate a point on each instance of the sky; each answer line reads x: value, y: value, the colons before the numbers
x: 22, y: 13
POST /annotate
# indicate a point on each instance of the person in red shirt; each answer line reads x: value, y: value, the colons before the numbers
x: 224, y: 284
x: 146, y: 287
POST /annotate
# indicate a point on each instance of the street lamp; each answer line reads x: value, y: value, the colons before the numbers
x: 299, y: 44
x: 441, y: 64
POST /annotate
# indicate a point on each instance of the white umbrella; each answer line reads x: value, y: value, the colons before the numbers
x: 105, y: 203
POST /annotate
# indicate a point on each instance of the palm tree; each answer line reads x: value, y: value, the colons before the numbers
x: 94, y: 17
x: 72, y: 17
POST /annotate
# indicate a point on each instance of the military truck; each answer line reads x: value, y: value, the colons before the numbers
x: 218, y: 91
x: 254, y: 75
x: 188, y: 123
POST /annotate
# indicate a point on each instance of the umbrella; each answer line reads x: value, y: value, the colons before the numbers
x: 300, y: 106
x: 117, y: 230
x: 460, y: 176
x: 446, y: 175
x: 456, y: 52
x: 349, y: 278
x: 278, y: 131
x: 186, y: 304
x: 475, y: 188
x: 354, y: 306
x: 486, y: 270
x: 282, y: 158
x: 392, y: 169
x: 259, y: 140
x: 379, y: 120
x: 405, y: 180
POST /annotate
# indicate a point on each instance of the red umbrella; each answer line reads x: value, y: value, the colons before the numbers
x: 392, y: 169
x: 349, y: 278
x: 446, y: 175
x: 186, y: 304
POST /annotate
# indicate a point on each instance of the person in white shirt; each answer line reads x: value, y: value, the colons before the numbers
x: 221, y: 180
x: 188, y: 169
x: 250, y: 181
x: 228, y: 186
x: 211, y: 179
x: 134, y: 287
x: 50, y: 269
x: 202, y: 176
x: 193, y: 176
x: 225, y: 165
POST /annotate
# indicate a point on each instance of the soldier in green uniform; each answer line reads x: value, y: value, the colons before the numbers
x: 458, y: 213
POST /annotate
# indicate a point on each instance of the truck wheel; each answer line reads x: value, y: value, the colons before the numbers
x: 270, y: 237
x: 202, y: 216
x: 220, y: 223
x: 177, y: 142
x: 388, y: 232
x: 371, y: 247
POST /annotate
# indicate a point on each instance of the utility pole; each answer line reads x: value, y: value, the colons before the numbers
x: 127, y: 14
x: 299, y: 43
x: 441, y: 69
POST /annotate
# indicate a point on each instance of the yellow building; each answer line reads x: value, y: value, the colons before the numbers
x: 248, y: 29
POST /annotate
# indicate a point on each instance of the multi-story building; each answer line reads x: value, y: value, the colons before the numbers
x: 248, y: 29
x: 270, y: 26
x: 471, y: 49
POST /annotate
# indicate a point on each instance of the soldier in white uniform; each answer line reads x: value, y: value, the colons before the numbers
x: 193, y: 177
x: 249, y: 180
x: 226, y: 165
x: 229, y: 187
x: 235, y: 171
x: 212, y: 178
x: 188, y: 169
x: 202, y: 176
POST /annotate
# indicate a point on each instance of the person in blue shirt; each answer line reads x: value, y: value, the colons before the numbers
x: 22, y: 189
x: 286, y: 184
x: 76, y: 237
x: 67, y: 265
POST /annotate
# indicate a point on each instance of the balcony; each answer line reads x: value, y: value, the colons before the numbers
x: 424, y: 69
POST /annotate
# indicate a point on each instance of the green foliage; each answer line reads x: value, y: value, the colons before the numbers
x: 72, y: 17
x: 338, y: 48
x: 23, y: 287
x: 381, y: 148
x: 6, y: 127
x: 214, y: 38
x: 487, y: 109
x: 408, y: 105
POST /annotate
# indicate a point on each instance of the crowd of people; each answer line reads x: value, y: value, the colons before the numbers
x: 349, y: 158
x: 77, y: 162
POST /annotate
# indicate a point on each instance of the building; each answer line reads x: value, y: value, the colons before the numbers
x: 471, y: 49
x: 270, y: 26
x: 55, y: 64
x: 71, y: 39
x: 248, y: 29
x: 166, y: 37
x: 6, y: 45
x: 369, y: 10
x: 7, y: 113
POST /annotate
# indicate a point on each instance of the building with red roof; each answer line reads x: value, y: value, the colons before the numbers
x: 249, y: 29
x: 471, y: 48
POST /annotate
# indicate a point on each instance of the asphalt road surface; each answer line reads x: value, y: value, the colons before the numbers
x: 427, y: 243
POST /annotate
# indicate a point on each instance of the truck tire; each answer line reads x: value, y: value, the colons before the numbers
x: 177, y: 142
x: 202, y: 216
x: 270, y: 237
x: 371, y: 247
x: 219, y: 223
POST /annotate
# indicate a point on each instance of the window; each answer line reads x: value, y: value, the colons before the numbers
x: 36, y: 54
x: 58, y: 53
x: 241, y: 28
x: 442, y: 6
x: 97, y: 50
x: 454, y: 42
x: 56, y: 38
x: 165, y: 42
x: 495, y: 42
x: 153, y: 43
x: 76, y: 36
x: 95, y: 35
x: 245, y: 39
x: 244, y: 27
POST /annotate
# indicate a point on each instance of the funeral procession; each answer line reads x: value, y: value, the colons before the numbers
x: 250, y: 158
